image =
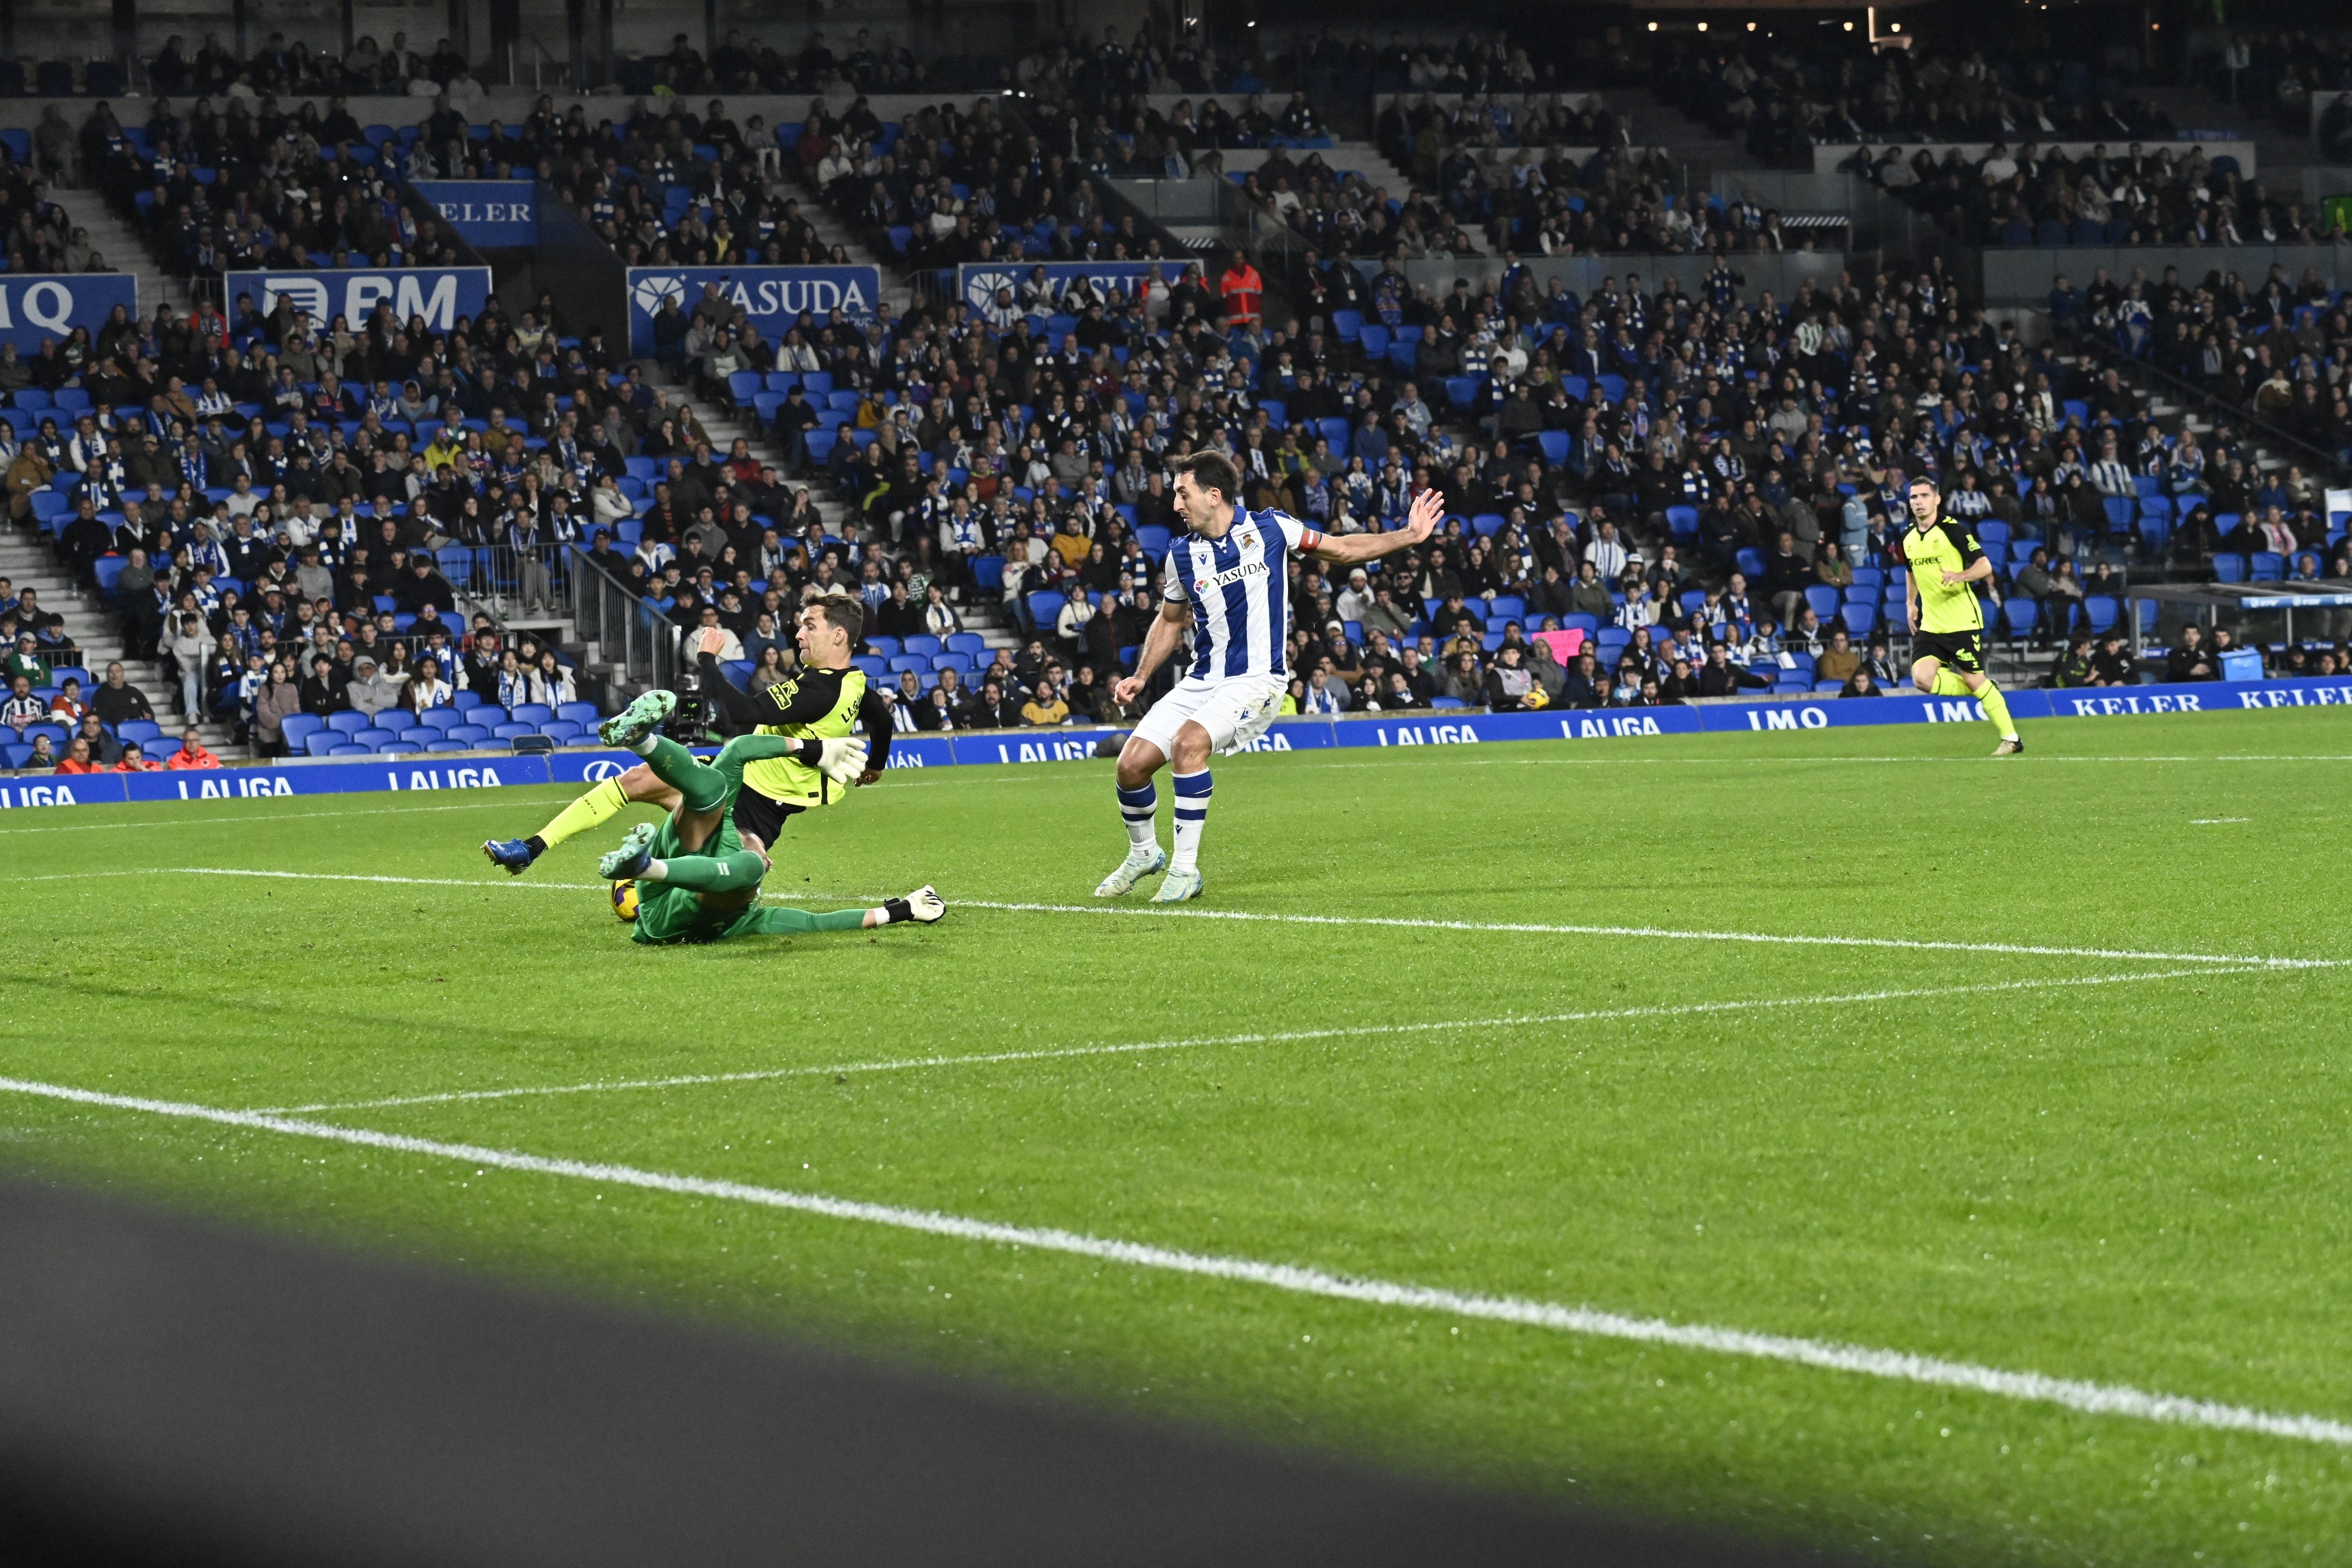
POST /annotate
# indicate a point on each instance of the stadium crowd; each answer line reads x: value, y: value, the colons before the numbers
x: 1781, y: 95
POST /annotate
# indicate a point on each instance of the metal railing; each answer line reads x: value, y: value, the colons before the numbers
x: 507, y: 580
x: 637, y: 640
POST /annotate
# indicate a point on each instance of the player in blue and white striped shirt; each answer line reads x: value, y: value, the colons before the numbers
x: 1229, y: 579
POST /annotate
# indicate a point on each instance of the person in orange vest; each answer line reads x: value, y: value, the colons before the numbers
x: 1241, y: 289
x: 192, y: 752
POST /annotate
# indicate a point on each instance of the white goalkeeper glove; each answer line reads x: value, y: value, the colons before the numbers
x: 843, y: 760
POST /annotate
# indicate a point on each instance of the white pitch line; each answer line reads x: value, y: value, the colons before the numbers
x: 1658, y: 932
x: 258, y: 819
x: 400, y: 882
x: 2215, y: 821
x: 1906, y: 945
x: 1288, y: 1036
x: 2071, y: 1394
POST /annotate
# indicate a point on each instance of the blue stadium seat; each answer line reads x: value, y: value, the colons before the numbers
x: 299, y: 728
x: 2266, y: 566
x: 2228, y: 568
x: 1859, y: 619
x: 1823, y: 600
x: 530, y: 713
x: 923, y: 643
x: 470, y: 735
x: 578, y: 713
x: 509, y: 731
x: 2018, y: 616
x: 349, y: 723
x: 322, y: 742
x: 2102, y: 611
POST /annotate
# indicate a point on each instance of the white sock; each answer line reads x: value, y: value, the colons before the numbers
x: 1140, y: 807
x: 1192, y: 816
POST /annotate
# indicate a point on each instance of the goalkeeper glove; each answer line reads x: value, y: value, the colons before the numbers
x: 842, y: 760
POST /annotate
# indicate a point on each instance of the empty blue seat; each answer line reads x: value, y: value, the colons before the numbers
x: 2267, y: 566
x: 578, y: 713
x: 322, y: 742
x: 530, y: 713
x: 2228, y: 568
x: 350, y: 724
x: 2020, y: 616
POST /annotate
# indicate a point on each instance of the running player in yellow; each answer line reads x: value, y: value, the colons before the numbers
x: 1945, y: 564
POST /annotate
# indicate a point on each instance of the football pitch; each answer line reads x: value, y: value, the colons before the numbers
x: 1836, y: 1136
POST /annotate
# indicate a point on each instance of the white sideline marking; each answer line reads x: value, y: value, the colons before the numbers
x: 1288, y: 1036
x: 1412, y: 755
x: 1904, y: 943
x: 1156, y: 911
x: 2215, y: 821
x: 400, y: 882
x: 2071, y: 1394
x: 257, y: 818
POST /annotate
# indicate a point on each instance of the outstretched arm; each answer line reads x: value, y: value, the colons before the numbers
x: 1354, y: 548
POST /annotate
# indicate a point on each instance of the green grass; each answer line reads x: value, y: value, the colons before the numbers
x: 2141, y: 1183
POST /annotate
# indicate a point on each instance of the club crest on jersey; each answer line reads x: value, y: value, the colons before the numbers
x: 1246, y: 539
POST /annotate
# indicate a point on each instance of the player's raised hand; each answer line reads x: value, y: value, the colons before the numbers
x: 712, y: 640
x: 1428, y: 507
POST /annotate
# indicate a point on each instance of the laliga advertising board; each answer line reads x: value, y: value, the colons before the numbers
x: 993, y: 289
x: 774, y: 297
x: 439, y: 294
x: 35, y: 306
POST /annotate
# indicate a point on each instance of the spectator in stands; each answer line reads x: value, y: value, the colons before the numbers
x: 323, y: 692
x: 27, y: 661
x: 551, y: 684
x: 1839, y: 662
x: 185, y: 654
x: 78, y: 758
x: 1859, y: 684
x: 104, y: 748
x: 134, y: 760
x: 426, y: 689
x: 991, y: 709
x: 68, y: 707
x: 371, y: 691
x: 279, y: 698
x: 22, y: 708
x: 193, y: 753
x: 2188, y: 659
x: 2110, y: 666
x: 117, y: 701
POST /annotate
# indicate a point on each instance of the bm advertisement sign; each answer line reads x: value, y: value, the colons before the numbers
x: 439, y: 294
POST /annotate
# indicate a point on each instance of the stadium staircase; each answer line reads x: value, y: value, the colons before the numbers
x: 28, y: 561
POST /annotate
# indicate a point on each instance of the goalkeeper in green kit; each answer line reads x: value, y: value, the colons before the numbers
x: 695, y: 879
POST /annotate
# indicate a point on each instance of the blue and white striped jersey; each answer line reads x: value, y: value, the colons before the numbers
x: 1239, y: 588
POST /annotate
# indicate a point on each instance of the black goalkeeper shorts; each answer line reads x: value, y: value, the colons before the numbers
x: 1955, y: 650
x: 757, y: 816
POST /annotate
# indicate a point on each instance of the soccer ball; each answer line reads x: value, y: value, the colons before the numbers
x: 625, y: 900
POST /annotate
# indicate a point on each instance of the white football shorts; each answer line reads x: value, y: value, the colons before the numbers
x: 1234, y: 709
